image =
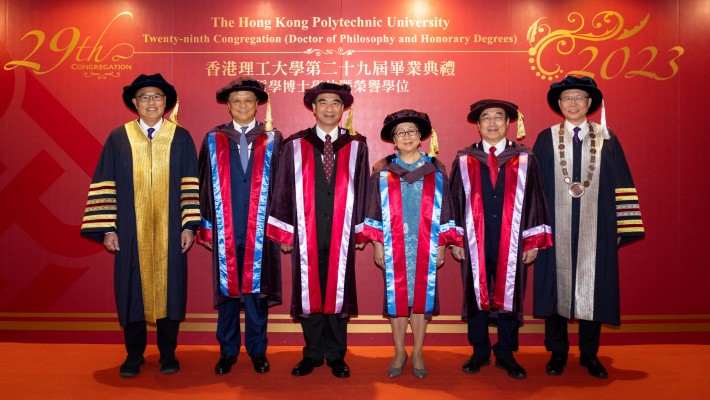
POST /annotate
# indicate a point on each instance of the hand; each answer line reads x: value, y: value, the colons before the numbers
x: 360, y: 246
x: 458, y: 253
x: 529, y: 256
x: 111, y: 241
x: 208, y: 245
x: 187, y: 237
x: 286, y: 248
x: 379, y: 254
x: 440, y: 256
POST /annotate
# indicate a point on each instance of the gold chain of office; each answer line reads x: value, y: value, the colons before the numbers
x: 576, y: 189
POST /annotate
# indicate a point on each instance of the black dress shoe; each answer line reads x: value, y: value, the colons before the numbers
x: 306, y: 366
x: 132, y: 366
x: 261, y: 364
x: 474, y: 364
x: 168, y: 364
x: 340, y: 368
x: 513, y: 368
x: 595, y: 368
x: 557, y: 362
x: 224, y: 365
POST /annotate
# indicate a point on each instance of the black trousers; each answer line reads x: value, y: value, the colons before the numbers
x: 478, y: 335
x: 556, y: 338
x: 326, y: 336
x: 135, y: 335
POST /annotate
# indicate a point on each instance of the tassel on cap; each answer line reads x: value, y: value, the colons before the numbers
x: 349, y: 122
x: 521, y: 126
x: 174, y: 115
x: 605, y: 132
x: 268, y: 121
x: 433, y: 144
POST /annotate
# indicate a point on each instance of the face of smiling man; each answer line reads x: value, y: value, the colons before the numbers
x: 150, y: 103
x: 574, y: 104
x: 242, y: 106
x: 493, y: 125
x: 328, y: 109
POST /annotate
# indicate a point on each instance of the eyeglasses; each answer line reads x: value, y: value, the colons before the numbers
x: 491, y: 118
x: 573, y: 99
x: 408, y: 132
x: 148, y: 97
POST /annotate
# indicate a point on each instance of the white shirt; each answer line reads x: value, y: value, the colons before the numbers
x: 333, y: 135
x: 249, y: 126
x: 569, y: 127
x: 144, y: 127
x: 500, y: 146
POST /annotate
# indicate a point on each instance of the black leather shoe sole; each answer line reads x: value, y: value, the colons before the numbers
x: 340, y: 369
x: 473, y: 365
x: 514, y: 370
x: 554, y: 370
x: 131, y: 367
x: 224, y: 365
x: 594, y: 367
x: 305, y: 367
x: 169, y: 365
x: 556, y: 365
x: 261, y: 364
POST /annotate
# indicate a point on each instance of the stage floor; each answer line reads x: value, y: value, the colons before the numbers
x: 83, y: 371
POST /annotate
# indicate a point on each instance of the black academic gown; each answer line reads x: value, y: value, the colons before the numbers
x: 284, y: 212
x: 614, y: 177
x: 534, y: 216
x: 239, y: 202
x: 114, y: 173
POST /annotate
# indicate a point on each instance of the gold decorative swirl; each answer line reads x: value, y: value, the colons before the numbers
x: 119, y: 57
x: 606, y: 25
x: 317, y: 52
x: 636, y: 29
x: 339, y: 51
x: 98, y: 76
x: 131, y: 49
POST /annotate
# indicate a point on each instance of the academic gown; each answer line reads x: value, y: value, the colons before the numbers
x: 148, y: 208
x: 226, y: 224
x: 618, y: 216
x: 384, y: 224
x: 505, y: 221
x: 320, y: 220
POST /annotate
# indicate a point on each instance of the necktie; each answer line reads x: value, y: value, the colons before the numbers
x: 328, y: 157
x: 493, y: 165
x: 150, y: 133
x: 244, y: 148
x: 576, y: 134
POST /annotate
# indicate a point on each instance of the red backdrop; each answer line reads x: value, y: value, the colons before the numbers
x: 65, y: 63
